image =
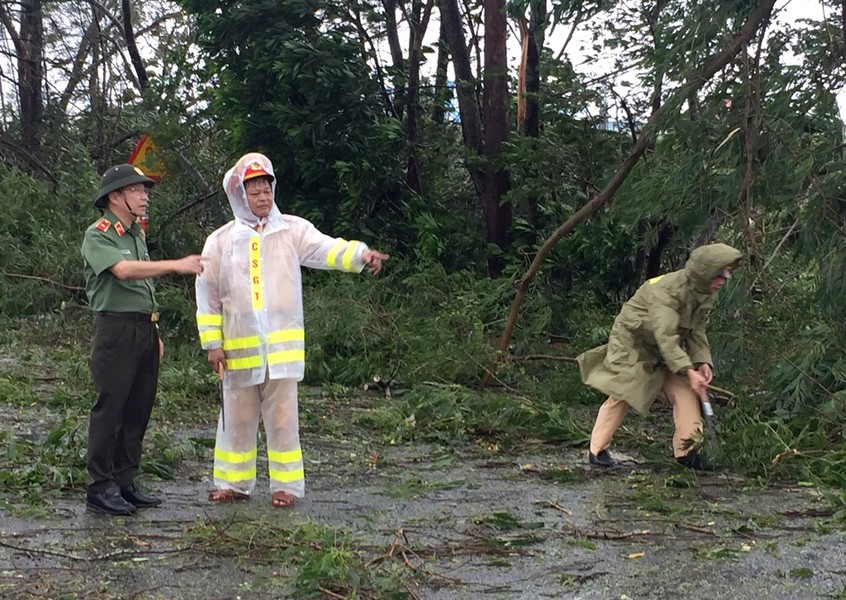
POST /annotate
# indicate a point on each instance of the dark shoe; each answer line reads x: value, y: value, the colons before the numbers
x: 138, y: 498
x: 110, y: 502
x: 696, y: 462
x: 603, y: 459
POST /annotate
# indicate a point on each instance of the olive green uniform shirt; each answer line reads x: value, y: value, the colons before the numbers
x: 105, y: 244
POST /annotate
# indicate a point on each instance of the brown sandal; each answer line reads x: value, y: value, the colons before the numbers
x: 282, y: 499
x: 227, y: 496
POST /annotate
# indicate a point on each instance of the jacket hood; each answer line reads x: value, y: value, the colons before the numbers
x: 706, y: 262
x: 233, y: 185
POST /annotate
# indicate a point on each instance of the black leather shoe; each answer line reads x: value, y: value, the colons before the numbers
x: 110, y: 502
x: 696, y: 462
x: 138, y: 498
x: 603, y: 459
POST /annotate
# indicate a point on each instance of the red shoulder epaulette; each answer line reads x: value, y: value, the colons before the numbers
x: 103, y: 224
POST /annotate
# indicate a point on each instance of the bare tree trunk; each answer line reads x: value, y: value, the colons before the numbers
x: 78, y: 70
x: 420, y: 22
x: 465, y: 87
x: 365, y: 40
x: 528, y: 101
x: 96, y: 91
x: 528, y: 123
x: 712, y: 67
x: 496, y: 127
x: 397, y: 60
x: 441, y: 92
x: 30, y: 48
x: 129, y: 36
x: 653, y: 262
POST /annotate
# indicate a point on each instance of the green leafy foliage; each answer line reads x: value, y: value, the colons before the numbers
x: 57, y: 461
x: 322, y: 558
x: 290, y: 80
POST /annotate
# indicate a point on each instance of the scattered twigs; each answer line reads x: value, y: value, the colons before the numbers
x: 608, y: 535
x: 697, y: 528
x: 118, y: 554
x: 551, y: 504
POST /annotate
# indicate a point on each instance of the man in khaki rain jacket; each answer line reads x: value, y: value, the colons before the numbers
x: 658, y: 343
x: 250, y: 317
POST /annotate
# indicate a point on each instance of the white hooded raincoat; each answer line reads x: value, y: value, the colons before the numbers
x: 249, y: 302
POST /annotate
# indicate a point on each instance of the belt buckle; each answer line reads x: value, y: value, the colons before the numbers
x: 154, y: 317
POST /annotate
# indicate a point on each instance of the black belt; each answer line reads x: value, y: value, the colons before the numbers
x: 131, y: 316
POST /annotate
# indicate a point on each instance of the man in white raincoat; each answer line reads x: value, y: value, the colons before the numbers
x: 250, y: 317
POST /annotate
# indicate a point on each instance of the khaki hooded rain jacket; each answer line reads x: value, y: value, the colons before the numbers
x: 661, y: 328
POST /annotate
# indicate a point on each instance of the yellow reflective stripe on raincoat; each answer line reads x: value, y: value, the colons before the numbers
x: 287, y: 476
x: 235, y: 457
x: 241, y: 343
x: 283, y: 356
x: 286, y: 335
x: 349, y: 255
x: 249, y: 362
x: 210, y: 320
x: 285, y: 457
x: 655, y: 279
x: 235, y: 476
x: 333, y: 253
x: 210, y: 335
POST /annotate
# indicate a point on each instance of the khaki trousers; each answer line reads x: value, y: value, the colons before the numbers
x: 686, y: 415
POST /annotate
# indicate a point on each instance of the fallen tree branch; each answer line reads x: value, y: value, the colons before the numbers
x: 529, y: 357
x: 65, y: 286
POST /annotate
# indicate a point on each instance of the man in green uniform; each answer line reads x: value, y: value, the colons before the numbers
x: 125, y: 348
x: 658, y: 344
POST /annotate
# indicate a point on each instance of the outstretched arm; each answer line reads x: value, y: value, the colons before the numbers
x: 145, y: 269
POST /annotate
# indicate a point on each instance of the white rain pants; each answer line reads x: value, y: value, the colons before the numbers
x: 275, y: 403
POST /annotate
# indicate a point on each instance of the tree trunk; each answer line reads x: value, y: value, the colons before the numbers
x: 712, y: 67
x: 418, y: 26
x: 496, y: 126
x: 465, y: 87
x: 30, y: 73
x: 441, y: 91
x: 397, y: 60
x: 529, y: 123
x: 135, y: 56
x: 653, y: 262
x: 528, y: 101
